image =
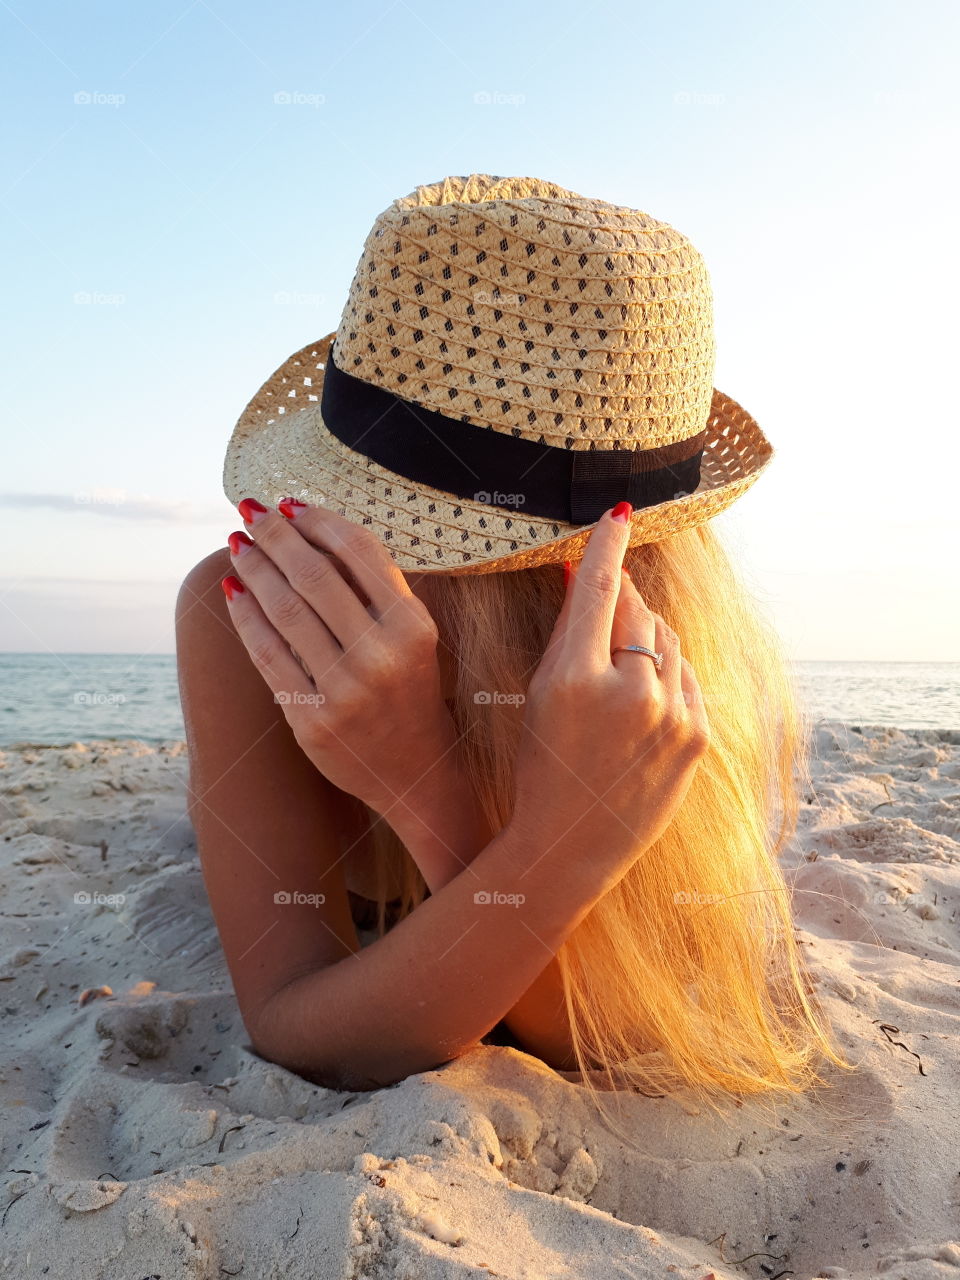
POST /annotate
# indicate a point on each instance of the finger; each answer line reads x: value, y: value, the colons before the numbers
x: 285, y: 608
x: 310, y: 572
x: 665, y: 640
x: 360, y: 550
x: 668, y: 643
x: 633, y: 623
x: 693, y: 695
x: 268, y: 651
x: 585, y: 622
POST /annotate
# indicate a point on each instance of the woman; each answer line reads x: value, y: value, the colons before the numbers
x: 557, y: 798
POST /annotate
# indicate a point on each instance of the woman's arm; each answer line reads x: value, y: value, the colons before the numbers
x: 443, y: 977
x: 451, y: 830
x: 350, y: 655
x: 266, y: 823
x: 608, y: 753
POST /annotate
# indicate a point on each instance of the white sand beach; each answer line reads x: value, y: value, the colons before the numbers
x: 142, y: 1138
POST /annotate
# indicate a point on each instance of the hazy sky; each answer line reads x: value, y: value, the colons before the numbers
x: 186, y: 191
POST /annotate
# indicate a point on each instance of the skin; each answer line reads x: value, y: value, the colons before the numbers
x: 609, y: 748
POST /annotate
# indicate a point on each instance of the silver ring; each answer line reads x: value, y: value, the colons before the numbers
x: 639, y: 648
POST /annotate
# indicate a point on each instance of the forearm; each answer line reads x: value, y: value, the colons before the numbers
x: 441, y: 825
x: 443, y: 828
x: 442, y: 978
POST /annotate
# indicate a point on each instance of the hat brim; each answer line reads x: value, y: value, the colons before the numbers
x: 281, y: 448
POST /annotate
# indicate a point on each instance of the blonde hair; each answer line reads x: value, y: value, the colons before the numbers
x: 692, y: 953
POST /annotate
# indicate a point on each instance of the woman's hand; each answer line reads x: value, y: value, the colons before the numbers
x: 364, y: 700
x: 610, y: 744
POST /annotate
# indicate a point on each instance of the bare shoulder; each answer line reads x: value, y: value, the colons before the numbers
x: 267, y: 823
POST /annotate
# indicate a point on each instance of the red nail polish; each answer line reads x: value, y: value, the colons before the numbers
x: 251, y: 510
x: 238, y: 541
x: 622, y: 512
x: 232, y: 586
x: 566, y: 573
x: 291, y: 507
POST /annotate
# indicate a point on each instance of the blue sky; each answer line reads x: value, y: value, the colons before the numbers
x: 172, y: 229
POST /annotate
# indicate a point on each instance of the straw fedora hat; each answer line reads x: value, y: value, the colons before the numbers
x: 512, y: 360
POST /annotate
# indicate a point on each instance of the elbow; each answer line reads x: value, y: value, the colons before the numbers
x: 269, y: 1042
x: 346, y: 1059
x: 312, y: 1068
x: 333, y: 1067
x: 338, y: 1077
x: 326, y: 1067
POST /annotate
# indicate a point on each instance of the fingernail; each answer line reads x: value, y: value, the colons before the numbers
x: 566, y: 573
x: 290, y: 507
x: 232, y: 586
x: 238, y: 542
x: 251, y: 510
x: 622, y: 512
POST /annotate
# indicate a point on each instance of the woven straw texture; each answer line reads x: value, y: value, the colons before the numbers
x: 516, y: 306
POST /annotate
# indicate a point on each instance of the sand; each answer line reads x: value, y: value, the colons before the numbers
x: 142, y: 1138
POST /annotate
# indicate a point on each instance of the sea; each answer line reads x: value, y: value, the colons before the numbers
x: 60, y: 698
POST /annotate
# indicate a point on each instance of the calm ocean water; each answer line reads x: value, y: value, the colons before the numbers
x: 63, y: 698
